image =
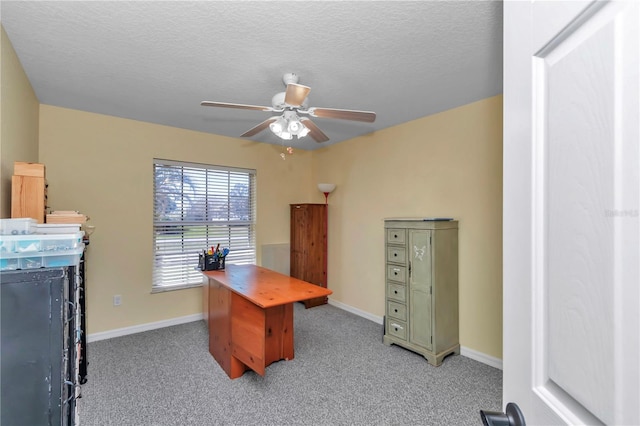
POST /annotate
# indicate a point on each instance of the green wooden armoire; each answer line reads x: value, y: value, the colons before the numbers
x: 421, y: 268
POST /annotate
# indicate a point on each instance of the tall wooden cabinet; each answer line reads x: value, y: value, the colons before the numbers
x: 421, y: 267
x: 309, y: 246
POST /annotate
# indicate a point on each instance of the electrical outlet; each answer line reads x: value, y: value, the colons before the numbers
x: 117, y: 300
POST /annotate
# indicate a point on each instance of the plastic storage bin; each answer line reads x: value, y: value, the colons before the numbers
x: 40, y: 242
x: 35, y: 260
x: 10, y: 264
x: 31, y: 262
x: 40, y: 250
x: 58, y: 259
x: 22, y: 226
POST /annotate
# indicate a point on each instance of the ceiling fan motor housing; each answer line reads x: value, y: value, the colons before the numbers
x: 290, y: 77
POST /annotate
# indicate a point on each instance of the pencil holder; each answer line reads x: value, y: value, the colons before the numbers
x: 210, y: 262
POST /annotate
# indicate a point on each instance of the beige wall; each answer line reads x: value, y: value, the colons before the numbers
x: 448, y: 164
x: 102, y: 166
x: 18, y: 120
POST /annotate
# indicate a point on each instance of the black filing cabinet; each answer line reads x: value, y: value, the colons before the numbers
x: 40, y: 339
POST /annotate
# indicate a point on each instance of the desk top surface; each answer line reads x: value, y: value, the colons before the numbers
x: 264, y: 287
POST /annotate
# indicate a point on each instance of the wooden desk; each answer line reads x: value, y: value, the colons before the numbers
x: 250, y: 316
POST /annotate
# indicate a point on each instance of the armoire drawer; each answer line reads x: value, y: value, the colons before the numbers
x: 396, y: 236
x: 396, y: 310
x: 396, y: 292
x: 396, y: 273
x: 396, y: 254
x: 397, y: 328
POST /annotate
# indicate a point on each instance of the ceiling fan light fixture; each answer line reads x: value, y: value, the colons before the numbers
x: 303, y: 132
x: 288, y: 125
x: 286, y: 135
x: 294, y: 126
x: 278, y: 126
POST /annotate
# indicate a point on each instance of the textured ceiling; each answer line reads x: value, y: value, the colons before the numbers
x: 155, y: 61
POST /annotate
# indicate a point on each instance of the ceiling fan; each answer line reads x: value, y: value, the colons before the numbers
x: 290, y: 103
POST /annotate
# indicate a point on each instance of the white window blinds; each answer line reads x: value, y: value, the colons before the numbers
x: 197, y: 206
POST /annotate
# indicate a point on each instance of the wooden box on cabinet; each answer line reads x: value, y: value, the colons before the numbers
x: 21, y: 168
x: 421, y: 279
x: 309, y: 246
x: 28, y: 191
x: 28, y: 197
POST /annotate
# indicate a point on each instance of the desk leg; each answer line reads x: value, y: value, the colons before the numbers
x: 219, y: 320
x: 205, y: 300
x: 279, y: 333
x: 248, y: 333
x: 287, y: 332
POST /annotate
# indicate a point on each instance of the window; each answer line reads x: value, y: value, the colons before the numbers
x: 197, y: 206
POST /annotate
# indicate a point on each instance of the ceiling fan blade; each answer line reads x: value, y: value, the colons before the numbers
x: 296, y: 94
x: 343, y: 114
x: 260, y: 127
x: 314, y: 131
x: 237, y: 106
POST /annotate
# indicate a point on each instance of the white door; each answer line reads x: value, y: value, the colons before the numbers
x: 571, y: 211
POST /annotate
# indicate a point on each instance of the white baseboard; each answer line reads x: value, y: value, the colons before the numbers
x: 356, y: 311
x: 469, y: 353
x: 93, y: 337
x: 480, y: 357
